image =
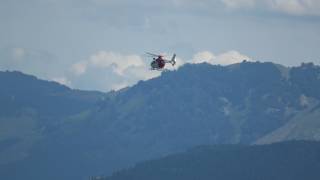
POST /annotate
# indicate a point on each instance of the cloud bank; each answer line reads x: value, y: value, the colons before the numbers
x: 103, y: 70
x: 226, y: 58
x: 109, y: 70
x: 290, y: 7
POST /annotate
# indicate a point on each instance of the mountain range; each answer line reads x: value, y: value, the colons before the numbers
x: 49, y: 131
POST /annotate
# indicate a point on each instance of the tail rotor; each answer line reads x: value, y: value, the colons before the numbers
x: 173, y: 60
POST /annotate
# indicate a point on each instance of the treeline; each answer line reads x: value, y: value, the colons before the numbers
x: 295, y: 160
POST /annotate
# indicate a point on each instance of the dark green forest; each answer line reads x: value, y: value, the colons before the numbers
x: 294, y: 160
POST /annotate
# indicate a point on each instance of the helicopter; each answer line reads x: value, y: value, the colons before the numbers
x: 159, y: 61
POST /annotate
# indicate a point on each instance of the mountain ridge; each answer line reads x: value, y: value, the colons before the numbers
x: 197, y: 104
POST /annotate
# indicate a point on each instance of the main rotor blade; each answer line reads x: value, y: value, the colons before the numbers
x: 151, y: 54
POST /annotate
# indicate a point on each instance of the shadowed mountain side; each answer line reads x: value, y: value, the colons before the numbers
x: 32, y: 109
x: 283, y: 161
x: 20, y: 92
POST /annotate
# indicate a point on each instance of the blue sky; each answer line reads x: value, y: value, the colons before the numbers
x: 100, y: 44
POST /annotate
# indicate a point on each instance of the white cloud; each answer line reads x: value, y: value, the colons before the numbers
x: 296, y: 7
x: 238, y: 3
x: 112, y: 70
x: 119, y: 63
x: 62, y: 80
x: 79, y: 68
x: 18, y: 53
x: 120, y: 85
x: 141, y: 72
x: 230, y: 57
x: 291, y: 7
x: 226, y: 58
x: 204, y: 56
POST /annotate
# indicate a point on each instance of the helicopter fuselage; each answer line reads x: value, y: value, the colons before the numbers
x: 158, y: 63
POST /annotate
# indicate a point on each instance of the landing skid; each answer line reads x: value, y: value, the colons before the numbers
x: 156, y: 69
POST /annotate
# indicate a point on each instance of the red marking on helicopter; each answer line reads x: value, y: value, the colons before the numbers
x: 159, y: 61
